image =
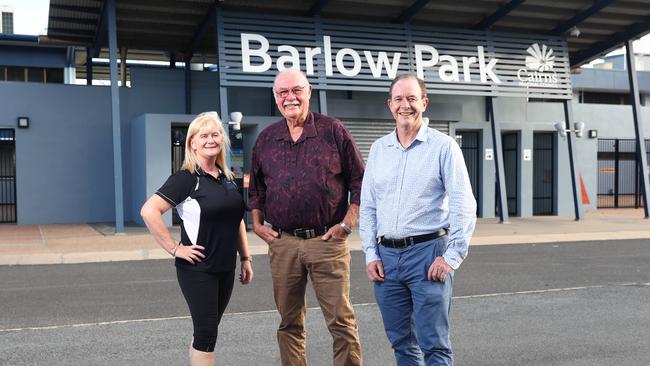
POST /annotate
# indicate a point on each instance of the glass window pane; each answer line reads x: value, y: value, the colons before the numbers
x: 15, y: 73
x: 35, y: 75
x: 54, y: 76
x: 7, y: 23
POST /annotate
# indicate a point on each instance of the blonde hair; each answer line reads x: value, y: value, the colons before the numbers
x: 201, y: 122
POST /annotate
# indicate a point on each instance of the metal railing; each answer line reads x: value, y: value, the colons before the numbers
x: 619, y: 174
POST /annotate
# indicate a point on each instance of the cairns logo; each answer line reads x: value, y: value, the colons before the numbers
x: 539, y: 68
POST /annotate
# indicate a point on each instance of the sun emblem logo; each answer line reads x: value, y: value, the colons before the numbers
x: 540, y: 59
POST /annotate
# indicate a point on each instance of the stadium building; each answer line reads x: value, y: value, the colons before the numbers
x: 94, y: 113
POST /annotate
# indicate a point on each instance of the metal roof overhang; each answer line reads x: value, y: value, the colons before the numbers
x: 184, y: 28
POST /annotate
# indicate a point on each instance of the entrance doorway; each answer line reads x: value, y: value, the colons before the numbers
x: 469, y: 142
x: 543, y: 173
x: 8, y: 211
x: 510, y: 143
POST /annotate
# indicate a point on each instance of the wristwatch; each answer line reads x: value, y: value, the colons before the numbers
x: 346, y: 228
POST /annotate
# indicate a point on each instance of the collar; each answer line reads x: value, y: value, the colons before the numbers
x: 422, y: 136
x: 309, y: 129
x: 201, y: 172
x: 423, y: 132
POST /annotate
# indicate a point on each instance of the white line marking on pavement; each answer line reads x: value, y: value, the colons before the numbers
x: 50, y: 287
x: 564, y: 289
x: 94, y: 324
x: 549, y: 290
x: 532, y: 292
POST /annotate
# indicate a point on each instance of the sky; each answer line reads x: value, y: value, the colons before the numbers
x: 30, y: 17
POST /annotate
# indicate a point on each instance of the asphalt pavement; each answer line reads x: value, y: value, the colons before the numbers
x: 571, y: 303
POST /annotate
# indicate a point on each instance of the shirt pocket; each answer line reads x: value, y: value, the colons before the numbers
x: 333, y: 162
x: 385, y: 174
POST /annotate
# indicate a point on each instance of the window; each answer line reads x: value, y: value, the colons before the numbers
x: 15, y: 73
x: 54, y: 76
x: 542, y: 100
x: 8, y: 23
x: 605, y: 98
x: 31, y: 74
x: 35, y: 75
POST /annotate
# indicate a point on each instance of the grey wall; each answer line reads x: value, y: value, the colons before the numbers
x: 609, y: 80
x: 29, y: 56
x: 159, y: 91
x: 356, y: 104
x: 515, y: 114
x: 151, y: 158
x: 64, y: 159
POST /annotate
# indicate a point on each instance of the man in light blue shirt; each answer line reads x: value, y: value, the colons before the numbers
x: 417, y: 217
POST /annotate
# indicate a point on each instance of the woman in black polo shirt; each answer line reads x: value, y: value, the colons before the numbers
x: 208, y: 202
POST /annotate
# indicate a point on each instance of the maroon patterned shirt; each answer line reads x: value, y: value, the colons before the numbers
x: 305, y: 184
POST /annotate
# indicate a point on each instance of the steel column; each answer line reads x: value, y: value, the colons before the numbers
x: 222, y: 95
x: 617, y: 170
x: 498, y: 161
x: 641, y: 157
x: 571, y: 143
x: 322, y: 101
x: 89, y: 66
x: 188, y: 85
x: 115, y: 116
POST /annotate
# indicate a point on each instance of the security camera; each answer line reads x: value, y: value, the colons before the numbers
x: 574, y: 31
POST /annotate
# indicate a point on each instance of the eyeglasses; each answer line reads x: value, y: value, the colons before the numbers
x: 296, y: 90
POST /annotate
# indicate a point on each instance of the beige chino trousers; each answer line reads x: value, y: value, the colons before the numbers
x: 327, y: 263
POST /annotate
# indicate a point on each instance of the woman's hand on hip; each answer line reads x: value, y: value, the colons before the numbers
x: 191, y: 253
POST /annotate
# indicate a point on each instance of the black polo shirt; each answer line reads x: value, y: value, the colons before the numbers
x: 211, y: 210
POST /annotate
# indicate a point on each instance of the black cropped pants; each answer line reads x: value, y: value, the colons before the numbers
x: 207, y: 294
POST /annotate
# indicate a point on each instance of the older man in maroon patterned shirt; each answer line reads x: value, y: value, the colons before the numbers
x: 304, y: 168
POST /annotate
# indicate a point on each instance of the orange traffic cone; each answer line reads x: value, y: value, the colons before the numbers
x: 585, y: 198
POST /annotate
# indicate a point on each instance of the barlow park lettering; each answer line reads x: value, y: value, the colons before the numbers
x: 360, y: 57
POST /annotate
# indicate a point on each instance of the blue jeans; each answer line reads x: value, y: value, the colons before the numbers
x: 415, y: 310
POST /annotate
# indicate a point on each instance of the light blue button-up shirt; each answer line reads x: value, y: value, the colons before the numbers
x: 416, y: 191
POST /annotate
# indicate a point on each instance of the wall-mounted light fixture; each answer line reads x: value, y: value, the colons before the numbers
x: 235, y: 120
x: 579, y: 127
x: 23, y: 122
x: 593, y: 134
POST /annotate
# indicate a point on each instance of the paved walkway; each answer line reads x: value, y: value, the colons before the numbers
x: 81, y: 243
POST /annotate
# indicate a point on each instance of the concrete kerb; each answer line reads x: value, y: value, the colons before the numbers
x: 59, y: 244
